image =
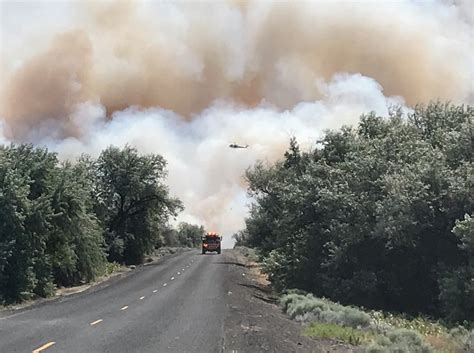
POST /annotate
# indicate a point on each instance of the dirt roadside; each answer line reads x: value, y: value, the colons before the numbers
x: 255, y: 323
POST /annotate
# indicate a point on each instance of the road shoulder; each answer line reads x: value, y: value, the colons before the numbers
x: 255, y: 323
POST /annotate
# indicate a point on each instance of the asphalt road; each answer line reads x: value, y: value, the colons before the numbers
x: 178, y: 305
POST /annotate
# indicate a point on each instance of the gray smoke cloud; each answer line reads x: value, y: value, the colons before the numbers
x: 185, y: 79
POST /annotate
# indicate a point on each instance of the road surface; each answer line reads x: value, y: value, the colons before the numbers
x: 175, y: 306
x: 187, y: 302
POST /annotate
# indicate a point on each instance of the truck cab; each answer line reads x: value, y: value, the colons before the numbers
x: 211, y: 241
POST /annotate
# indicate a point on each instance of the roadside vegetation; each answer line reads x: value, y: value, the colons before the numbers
x: 378, y: 216
x: 63, y: 224
x: 184, y: 235
x: 376, y: 331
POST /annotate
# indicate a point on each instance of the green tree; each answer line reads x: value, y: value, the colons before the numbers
x: 457, y: 285
x: 189, y: 235
x: 367, y: 218
x: 169, y: 237
x: 48, y: 234
x: 132, y: 202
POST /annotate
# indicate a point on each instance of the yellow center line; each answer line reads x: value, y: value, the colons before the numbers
x: 96, y: 322
x: 43, y: 347
x: 141, y: 298
x: 124, y: 308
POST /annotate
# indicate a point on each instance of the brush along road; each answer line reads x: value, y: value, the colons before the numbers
x: 187, y: 302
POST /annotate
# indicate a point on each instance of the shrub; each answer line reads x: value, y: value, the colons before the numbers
x: 463, y: 337
x: 111, y: 267
x: 335, y: 331
x: 289, y: 298
x: 399, y: 341
x: 356, y: 318
x: 307, y: 308
x: 382, y: 321
x: 250, y: 253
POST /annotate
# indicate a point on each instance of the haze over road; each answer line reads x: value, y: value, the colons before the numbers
x: 177, y: 305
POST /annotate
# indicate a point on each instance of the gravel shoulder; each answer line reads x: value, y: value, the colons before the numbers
x: 255, y: 323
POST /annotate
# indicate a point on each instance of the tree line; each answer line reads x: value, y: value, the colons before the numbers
x: 378, y: 215
x: 61, y: 223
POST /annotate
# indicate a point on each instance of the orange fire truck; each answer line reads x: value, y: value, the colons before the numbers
x: 211, y: 242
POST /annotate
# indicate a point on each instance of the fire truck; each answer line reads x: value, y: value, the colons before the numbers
x: 211, y: 241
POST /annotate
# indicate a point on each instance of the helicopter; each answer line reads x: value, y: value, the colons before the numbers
x: 234, y: 145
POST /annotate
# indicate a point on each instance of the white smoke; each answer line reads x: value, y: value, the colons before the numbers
x: 3, y: 139
x: 203, y: 171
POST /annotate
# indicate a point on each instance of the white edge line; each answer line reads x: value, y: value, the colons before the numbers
x: 96, y: 322
x: 44, y: 346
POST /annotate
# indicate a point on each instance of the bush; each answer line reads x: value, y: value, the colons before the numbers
x: 392, y: 333
x: 463, y: 337
x: 289, y: 298
x: 335, y: 331
x: 307, y: 308
x: 111, y: 267
x: 399, y: 341
x: 249, y: 253
x: 457, y: 286
x: 382, y: 321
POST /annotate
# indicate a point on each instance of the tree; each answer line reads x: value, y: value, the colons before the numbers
x: 190, y: 235
x: 48, y: 234
x: 457, y: 285
x: 367, y: 218
x: 132, y: 202
x: 57, y: 220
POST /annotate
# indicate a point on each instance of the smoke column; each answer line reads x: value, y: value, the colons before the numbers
x: 185, y: 79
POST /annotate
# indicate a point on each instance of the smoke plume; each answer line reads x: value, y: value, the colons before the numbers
x: 185, y: 79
